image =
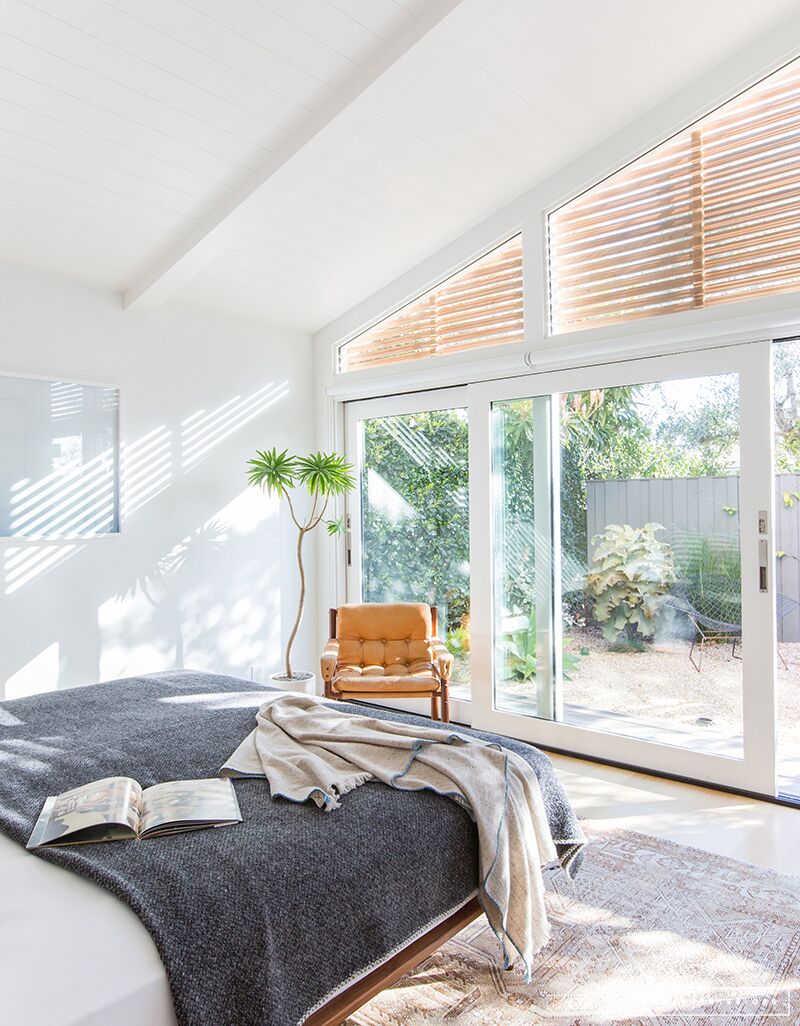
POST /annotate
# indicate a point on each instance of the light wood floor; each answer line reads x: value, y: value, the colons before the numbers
x: 759, y: 832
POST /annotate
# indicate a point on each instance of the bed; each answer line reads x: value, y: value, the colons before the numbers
x: 293, y: 916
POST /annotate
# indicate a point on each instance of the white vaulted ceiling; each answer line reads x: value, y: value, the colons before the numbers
x: 127, y: 125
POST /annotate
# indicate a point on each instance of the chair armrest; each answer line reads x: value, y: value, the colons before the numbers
x: 327, y: 662
x: 443, y: 657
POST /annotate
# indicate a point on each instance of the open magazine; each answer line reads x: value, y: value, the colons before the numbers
x: 118, y: 809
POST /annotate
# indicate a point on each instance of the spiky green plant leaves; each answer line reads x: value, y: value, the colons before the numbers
x: 325, y: 473
x: 273, y: 471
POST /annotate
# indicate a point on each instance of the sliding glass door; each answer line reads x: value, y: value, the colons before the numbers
x: 622, y: 567
x: 408, y: 522
x: 600, y: 547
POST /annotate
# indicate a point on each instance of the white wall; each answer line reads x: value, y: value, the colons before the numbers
x: 202, y: 574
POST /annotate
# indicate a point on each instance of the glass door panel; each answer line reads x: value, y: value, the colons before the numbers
x: 410, y: 523
x: 651, y: 589
x: 525, y: 674
x: 649, y: 568
x: 786, y: 392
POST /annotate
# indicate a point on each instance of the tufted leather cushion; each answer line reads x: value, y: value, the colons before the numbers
x: 385, y: 684
x: 384, y: 638
x: 418, y: 668
x: 375, y: 620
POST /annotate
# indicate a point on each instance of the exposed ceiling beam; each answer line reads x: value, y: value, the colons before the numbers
x: 432, y: 36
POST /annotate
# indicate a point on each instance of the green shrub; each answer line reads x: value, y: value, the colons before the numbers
x: 628, y: 579
x: 520, y: 653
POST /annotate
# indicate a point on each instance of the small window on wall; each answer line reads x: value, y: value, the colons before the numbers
x: 476, y: 307
x: 59, y: 459
x: 710, y: 216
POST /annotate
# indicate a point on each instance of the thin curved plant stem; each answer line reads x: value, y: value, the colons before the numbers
x: 301, y: 601
x: 313, y: 524
x: 303, y: 530
x: 312, y: 514
x: 298, y: 525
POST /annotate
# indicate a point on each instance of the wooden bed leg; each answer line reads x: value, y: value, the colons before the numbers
x: 445, y: 702
x: 434, y: 706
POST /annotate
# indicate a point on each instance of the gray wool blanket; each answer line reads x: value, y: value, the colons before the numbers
x: 309, y: 750
x: 261, y: 923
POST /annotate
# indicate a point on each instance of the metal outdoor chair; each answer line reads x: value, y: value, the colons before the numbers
x: 709, y: 629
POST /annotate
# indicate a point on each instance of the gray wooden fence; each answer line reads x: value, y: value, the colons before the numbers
x: 700, y: 506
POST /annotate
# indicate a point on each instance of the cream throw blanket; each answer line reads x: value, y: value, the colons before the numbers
x: 308, y: 749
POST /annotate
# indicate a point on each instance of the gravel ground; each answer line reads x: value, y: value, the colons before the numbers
x: 660, y: 684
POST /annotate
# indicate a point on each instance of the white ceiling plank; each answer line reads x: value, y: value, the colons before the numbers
x: 85, y: 220
x: 331, y: 26
x: 145, y: 104
x: 246, y: 67
x: 386, y: 18
x: 31, y: 126
x: 91, y: 115
x: 98, y: 246
x: 78, y: 190
x: 106, y: 179
x: 311, y: 63
x: 121, y: 51
x: 369, y: 92
x: 390, y: 209
x: 85, y: 261
x: 71, y: 196
x: 393, y: 169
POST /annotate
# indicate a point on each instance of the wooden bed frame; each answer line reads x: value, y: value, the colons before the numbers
x: 335, y: 1011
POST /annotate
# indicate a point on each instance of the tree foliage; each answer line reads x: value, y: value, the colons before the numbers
x: 786, y: 362
x: 415, y: 515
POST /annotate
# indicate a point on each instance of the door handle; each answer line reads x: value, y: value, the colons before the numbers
x: 762, y: 564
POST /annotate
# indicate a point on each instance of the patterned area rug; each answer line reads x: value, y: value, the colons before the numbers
x: 650, y: 934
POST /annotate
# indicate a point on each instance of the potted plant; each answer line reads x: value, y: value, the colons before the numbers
x: 325, y: 476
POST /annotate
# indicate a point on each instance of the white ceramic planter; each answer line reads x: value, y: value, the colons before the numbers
x: 304, y: 682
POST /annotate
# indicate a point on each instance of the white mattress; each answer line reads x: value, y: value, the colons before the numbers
x: 71, y: 954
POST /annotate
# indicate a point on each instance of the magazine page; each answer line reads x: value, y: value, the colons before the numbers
x: 188, y: 804
x: 104, y: 810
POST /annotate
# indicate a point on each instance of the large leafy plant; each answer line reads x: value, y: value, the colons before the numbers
x: 629, y: 576
x: 521, y: 653
x: 324, y: 476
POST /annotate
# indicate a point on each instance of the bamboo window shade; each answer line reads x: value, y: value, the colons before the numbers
x: 710, y: 216
x: 478, y: 306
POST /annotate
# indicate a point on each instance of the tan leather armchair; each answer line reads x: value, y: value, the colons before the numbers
x: 387, y: 650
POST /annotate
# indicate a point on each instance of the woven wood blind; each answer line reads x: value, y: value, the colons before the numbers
x: 479, y: 306
x: 710, y: 216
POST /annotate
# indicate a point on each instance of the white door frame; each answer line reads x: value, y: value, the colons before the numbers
x: 756, y: 770
x: 387, y: 406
